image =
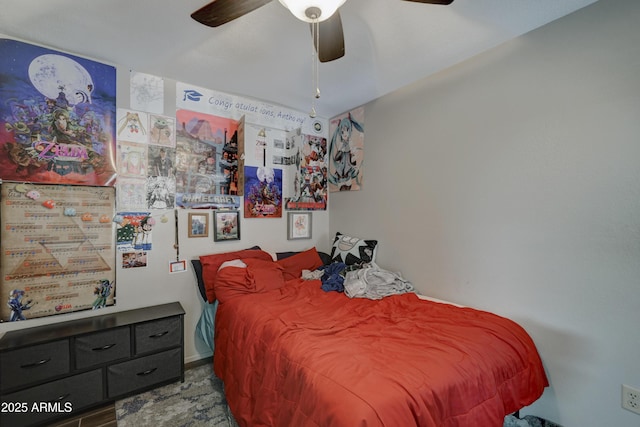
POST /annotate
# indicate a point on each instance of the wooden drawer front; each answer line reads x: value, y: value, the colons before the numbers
x: 67, y: 396
x: 36, y: 363
x: 159, y: 334
x: 137, y: 374
x: 101, y: 347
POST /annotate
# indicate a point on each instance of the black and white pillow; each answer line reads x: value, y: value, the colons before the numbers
x: 353, y: 250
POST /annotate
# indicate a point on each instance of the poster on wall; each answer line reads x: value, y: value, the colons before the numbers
x: 206, y: 165
x: 57, y: 118
x: 162, y: 130
x: 346, y: 151
x: 263, y: 192
x: 310, y: 178
x: 134, y: 231
x: 132, y: 126
x: 57, y: 249
x: 146, y: 92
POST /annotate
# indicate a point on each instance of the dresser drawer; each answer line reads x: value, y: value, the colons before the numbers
x: 159, y: 334
x: 35, y: 363
x: 101, y: 347
x: 64, y: 397
x: 126, y: 377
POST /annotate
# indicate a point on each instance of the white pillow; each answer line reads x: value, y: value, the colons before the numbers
x: 353, y: 250
x: 233, y: 263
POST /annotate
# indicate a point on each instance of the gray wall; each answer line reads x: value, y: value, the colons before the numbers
x: 511, y: 183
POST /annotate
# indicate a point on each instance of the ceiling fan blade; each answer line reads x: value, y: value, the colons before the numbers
x: 444, y: 2
x: 330, y: 45
x: 220, y: 12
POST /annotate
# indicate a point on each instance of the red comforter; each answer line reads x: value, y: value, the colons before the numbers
x: 298, y: 356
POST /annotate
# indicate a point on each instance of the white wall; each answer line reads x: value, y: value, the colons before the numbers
x: 141, y: 287
x: 511, y: 182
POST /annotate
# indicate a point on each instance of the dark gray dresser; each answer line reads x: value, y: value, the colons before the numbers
x: 56, y: 371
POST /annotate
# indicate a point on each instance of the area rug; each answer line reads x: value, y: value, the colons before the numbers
x: 198, y: 401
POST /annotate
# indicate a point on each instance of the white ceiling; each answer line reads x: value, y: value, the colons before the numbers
x: 267, y: 54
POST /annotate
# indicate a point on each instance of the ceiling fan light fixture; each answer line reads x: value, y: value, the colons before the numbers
x: 312, y: 10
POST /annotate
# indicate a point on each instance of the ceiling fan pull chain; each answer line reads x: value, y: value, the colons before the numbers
x: 317, y: 62
x: 314, y: 66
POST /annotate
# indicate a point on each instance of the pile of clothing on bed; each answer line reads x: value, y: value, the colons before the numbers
x: 352, y: 270
x: 366, y: 280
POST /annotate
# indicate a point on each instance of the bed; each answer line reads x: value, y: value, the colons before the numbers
x: 292, y: 354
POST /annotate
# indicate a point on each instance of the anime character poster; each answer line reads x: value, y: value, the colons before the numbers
x: 132, y: 126
x: 310, y: 179
x: 57, y: 118
x: 133, y: 232
x: 262, y: 192
x: 346, y: 151
x: 206, y: 166
x: 57, y: 251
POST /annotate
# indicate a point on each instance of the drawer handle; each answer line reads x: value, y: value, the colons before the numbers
x: 158, y: 335
x: 147, y: 372
x: 104, y: 347
x: 60, y: 398
x: 36, y: 364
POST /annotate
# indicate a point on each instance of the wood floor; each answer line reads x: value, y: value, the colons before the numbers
x: 101, y: 417
x: 105, y: 416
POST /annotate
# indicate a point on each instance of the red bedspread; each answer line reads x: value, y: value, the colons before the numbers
x: 299, y: 356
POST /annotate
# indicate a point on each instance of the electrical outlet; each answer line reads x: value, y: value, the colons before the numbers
x: 631, y: 398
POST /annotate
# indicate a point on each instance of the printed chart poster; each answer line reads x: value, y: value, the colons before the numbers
x: 57, y: 117
x: 263, y: 192
x: 57, y: 249
x: 206, y: 166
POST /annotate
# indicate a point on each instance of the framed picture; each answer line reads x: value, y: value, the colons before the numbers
x: 299, y: 225
x: 226, y: 225
x: 198, y: 224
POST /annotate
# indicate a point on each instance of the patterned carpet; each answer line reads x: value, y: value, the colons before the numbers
x: 200, y: 401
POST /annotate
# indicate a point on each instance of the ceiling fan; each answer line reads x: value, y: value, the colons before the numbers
x: 329, y: 37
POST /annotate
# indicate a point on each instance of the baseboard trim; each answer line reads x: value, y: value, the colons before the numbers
x: 196, y: 357
x: 198, y: 362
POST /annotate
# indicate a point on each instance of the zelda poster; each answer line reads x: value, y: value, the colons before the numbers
x: 262, y: 192
x: 57, y: 117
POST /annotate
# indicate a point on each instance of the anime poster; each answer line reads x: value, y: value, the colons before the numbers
x: 346, y: 151
x: 57, y: 252
x: 263, y: 192
x: 310, y: 180
x: 133, y: 232
x: 161, y: 182
x: 57, y: 118
x: 132, y: 160
x: 206, y: 165
x: 132, y: 126
x: 131, y: 194
x: 161, y: 192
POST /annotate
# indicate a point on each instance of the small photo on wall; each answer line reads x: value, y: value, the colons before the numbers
x: 199, y: 224
x: 299, y: 225
x: 226, y: 225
